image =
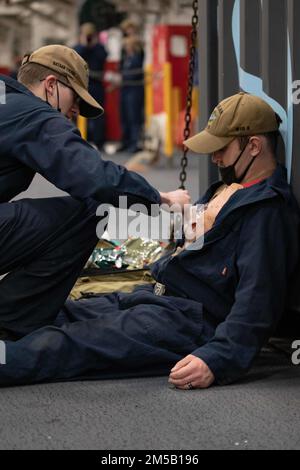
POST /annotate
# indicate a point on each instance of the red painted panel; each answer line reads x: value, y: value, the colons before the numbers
x: 112, y: 108
x: 4, y: 70
x: 162, y: 39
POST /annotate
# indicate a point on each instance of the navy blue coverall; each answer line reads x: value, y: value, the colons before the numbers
x: 222, y: 302
x: 132, y: 99
x: 46, y: 242
x: 95, y: 56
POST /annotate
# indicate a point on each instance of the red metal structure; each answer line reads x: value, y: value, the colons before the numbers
x: 170, y: 45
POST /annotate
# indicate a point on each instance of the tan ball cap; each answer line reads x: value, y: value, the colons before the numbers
x: 236, y: 116
x: 68, y: 63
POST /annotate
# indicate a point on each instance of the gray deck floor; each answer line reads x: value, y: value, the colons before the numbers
x: 262, y: 412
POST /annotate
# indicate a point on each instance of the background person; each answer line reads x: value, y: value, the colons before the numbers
x: 95, y: 55
x: 132, y: 94
x: 132, y: 89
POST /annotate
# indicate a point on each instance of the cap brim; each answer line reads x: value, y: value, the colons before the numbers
x: 88, y: 106
x: 206, y: 143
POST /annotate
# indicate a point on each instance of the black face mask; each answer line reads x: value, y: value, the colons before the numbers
x: 57, y: 95
x: 228, y: 174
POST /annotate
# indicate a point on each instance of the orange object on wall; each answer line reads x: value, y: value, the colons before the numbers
x: 180, y: 122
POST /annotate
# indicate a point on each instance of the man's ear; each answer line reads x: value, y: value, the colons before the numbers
x: 50, y: 82
x: 255, y: 145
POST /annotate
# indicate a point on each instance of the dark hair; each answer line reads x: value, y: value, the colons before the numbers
x: 272, y: 140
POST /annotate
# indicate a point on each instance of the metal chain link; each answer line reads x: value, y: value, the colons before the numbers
x: 188, y: 118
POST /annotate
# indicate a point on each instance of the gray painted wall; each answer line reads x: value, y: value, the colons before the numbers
x: 251, y: 45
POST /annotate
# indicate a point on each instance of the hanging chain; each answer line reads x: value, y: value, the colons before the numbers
x: 188, y: 118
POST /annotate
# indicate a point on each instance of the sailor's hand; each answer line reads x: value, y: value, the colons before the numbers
x: 191, y: 372
x: 176, y: 200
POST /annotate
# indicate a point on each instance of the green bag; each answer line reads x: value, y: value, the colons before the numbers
x: 105, y: 283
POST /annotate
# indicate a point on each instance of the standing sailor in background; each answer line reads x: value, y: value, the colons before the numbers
x: 95, y: 55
